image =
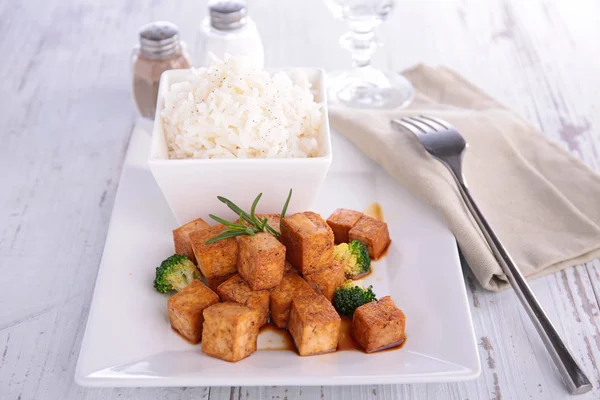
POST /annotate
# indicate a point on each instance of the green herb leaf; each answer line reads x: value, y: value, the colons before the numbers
x: 236, y: 209
x: 225, y: 235
x: 227, y: 223
x: 285, y: 207
x: 272, y: 230
x: 254, y: 207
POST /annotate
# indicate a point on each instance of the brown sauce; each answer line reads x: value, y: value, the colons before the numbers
x: 374, y: 210
x: 361, y: 276
x: 396, y: 347
x: 345, y: 343
x: 287, y: 343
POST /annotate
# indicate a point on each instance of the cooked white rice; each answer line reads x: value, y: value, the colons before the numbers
x: 233, y: 109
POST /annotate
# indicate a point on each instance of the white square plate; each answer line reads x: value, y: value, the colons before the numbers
x: 128, y: 340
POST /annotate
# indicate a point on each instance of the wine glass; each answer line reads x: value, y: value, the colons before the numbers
x: 365, y: 86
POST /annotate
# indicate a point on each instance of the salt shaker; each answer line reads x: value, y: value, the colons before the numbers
x: 229, y: 30
x: 159, y: 50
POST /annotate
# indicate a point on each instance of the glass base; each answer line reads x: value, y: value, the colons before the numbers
x: 367, y: 87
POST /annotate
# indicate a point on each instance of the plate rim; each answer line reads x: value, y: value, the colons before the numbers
x: 469, y: 372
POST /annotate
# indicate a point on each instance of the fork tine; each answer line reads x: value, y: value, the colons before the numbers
x: 396, y: 124
x: 426, y: 122
x: 438, y: 121
x: 424, y: 127
x: 408, y: 126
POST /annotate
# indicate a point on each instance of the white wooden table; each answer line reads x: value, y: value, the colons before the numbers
x: 65, y: 120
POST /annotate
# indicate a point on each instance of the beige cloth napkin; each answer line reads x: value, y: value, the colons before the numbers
x: 543, y: 203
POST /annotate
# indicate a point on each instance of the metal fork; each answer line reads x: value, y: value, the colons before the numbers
x: 445, y: 144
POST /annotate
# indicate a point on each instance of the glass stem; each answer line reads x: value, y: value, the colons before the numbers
x: 362, y: 44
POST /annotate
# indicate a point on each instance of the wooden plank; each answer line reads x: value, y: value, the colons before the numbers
x: 65, y: 121
x: 518, y: 371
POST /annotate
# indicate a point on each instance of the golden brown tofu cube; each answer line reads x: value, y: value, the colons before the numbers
x: 230, y: 331
x: 372, y: 233
x: 308, y: 240
x: 185, y: 309
x: 288, y: 267
x: 214, y: 282
x: 326, y: 281
x: 181, y: 238
x: 292, y: 285
x: 378, y: 325
x: 341, y: 221
x: 314, y: 325
x: 273, y: 220
x: 215, y: 259
x: 236, y: 289
x: 261, y: 260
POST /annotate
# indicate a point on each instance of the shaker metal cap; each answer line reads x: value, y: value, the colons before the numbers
x: 159, y: 39
x: 227, y: 15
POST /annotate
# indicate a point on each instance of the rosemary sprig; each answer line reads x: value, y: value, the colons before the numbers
x: 236, y: 209
x: 237, y: 227
x: 272, y: 230
x: 264, y: 223
x: 254, y: 204
x: 226, y: 235
x: 285, y: 206
x: 254, y: 223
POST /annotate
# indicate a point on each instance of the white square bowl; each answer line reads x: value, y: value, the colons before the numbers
x: 191, y: 186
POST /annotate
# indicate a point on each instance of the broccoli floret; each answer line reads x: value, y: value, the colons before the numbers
x: 175, y: 273
x: 350, y: 296
x: 355, y: 257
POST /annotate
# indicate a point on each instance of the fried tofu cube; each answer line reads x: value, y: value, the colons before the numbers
x: 372, y: 233
x: 261, y: 260
x: 185, y: 309
x: 181, y: 238
x: 309, y: 241
x: 236, y: 289
x: 326, y: 281
x: 341, y: 221
x: 314, y: 325
x: 378, y: 325
x: 214, y: 282
x: 230, y: 331
x: 272, y: 219
x: 292, y: 285
x: 288, y: 267
x: 215, y: 259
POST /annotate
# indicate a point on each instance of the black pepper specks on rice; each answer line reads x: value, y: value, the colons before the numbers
x: 209, y: 107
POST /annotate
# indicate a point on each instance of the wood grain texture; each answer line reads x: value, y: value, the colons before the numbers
x: 65, y: 120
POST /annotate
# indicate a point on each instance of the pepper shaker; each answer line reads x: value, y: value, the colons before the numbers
x: 159, y: 50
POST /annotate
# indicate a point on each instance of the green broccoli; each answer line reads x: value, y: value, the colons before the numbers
x: 355, y: 257
x: 175, y: 273
x: 350, y: 296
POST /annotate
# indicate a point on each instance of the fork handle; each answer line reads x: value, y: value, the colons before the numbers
x: 571, y: 373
